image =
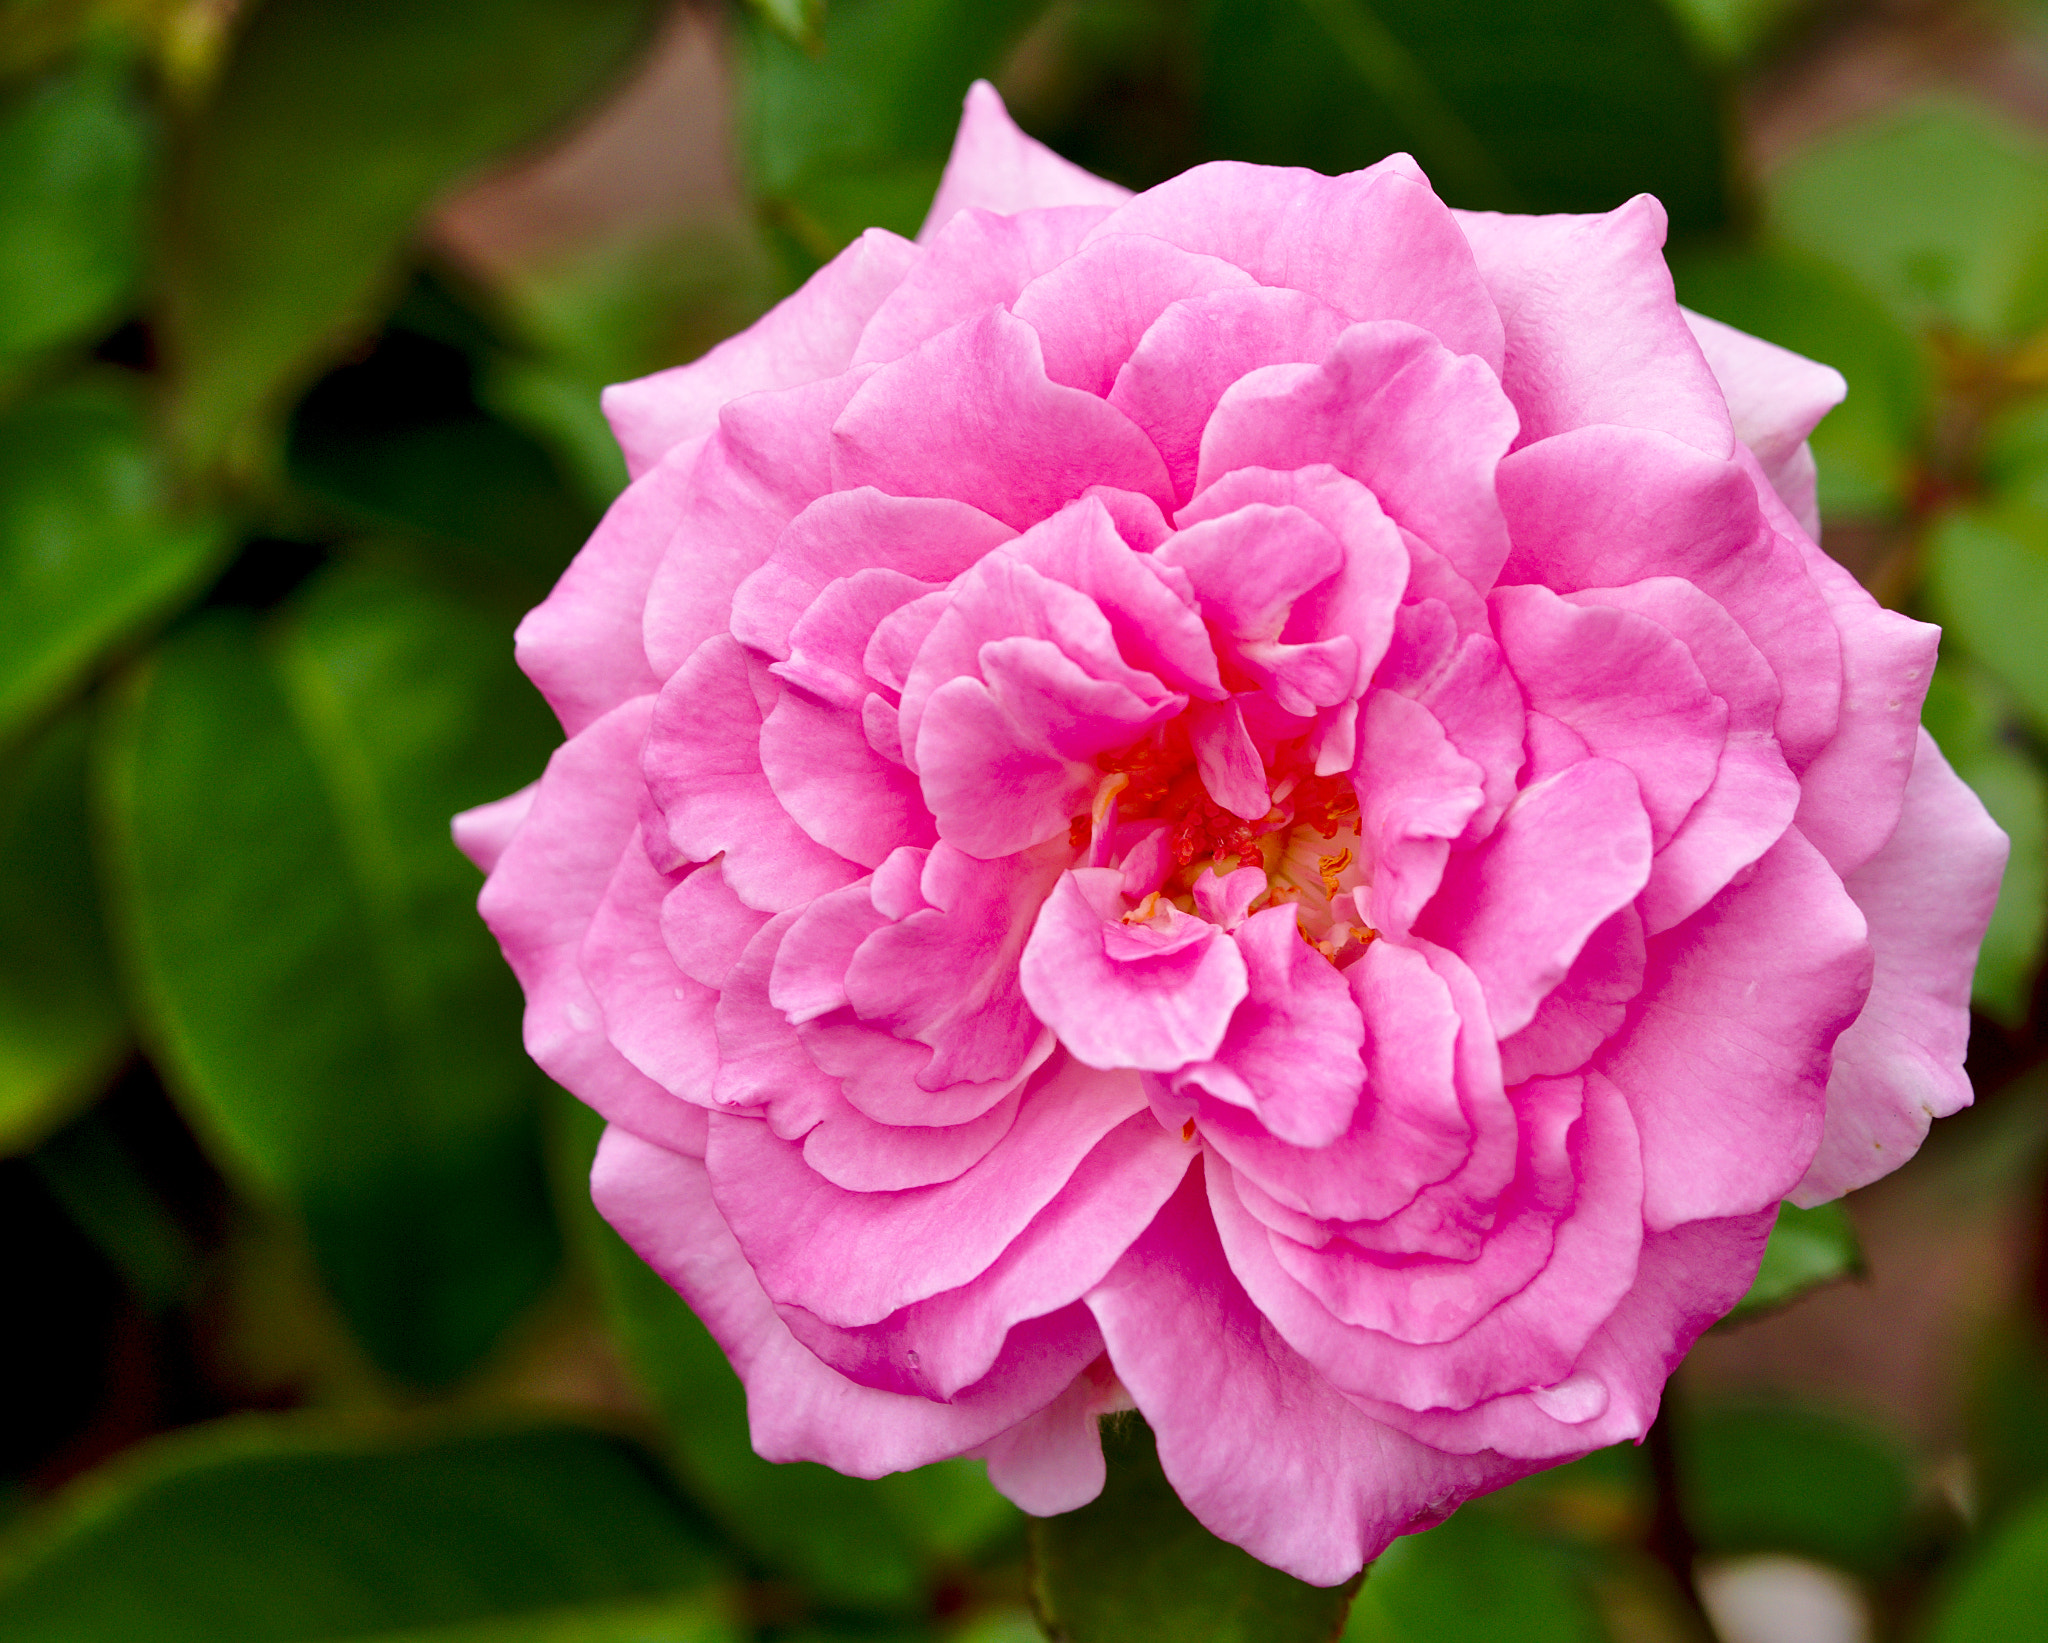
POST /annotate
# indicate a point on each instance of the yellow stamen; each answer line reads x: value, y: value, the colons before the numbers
x: 1331, y: 868
x: 1187, y: 1130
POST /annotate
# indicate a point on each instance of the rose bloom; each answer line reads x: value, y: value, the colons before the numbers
x: 1252, y: 801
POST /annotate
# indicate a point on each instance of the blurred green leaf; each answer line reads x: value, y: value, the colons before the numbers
x: 90, y: 547
x: 1134, y: 1565
x: 268, y: 1530
x: 691, y: 1620
x: 1972, y: 722
x: 1529, y: 105
x: 88, y: 1171
x: 2008, y: 1438
x: 857, y: 136
x: 1941, y: 210
x: 2002, y: 1591
x: 1733, y: 29
x: 76, y: 154
x: 865, y: 1544
x: 330, y: 130
x: 1473, y: 1579
x: 802, y: 21
x: 1864, y: 447
x: 1780, y: 1478
x: 1987, y: 578
x: 1807, y: 1248
x: 62, y: 1028
x: 334, y: 1017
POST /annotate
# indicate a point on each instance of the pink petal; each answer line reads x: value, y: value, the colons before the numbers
x: 947, y: 975
x: 482, y: 834
x: 1421, y: 427
x: 1257, y: 1444
x: 1607, y: 506
x: 1928, y: 893
x: 850, y: 1150
x: 1725, y: 1061
x: 1532, y: 1337
x: 1198, y: 347
x: 1157, y: 999
x: 762, y: 1061
x: 1594, y: 334
x: 938, y: 1345
x: 853, y: 1258
x: 1626, y: 687
x: 808, y: 335
x: 539, y: 901
x: 996, y: 167
x: 1568, y: 854
x: 1292, y: 1052
x: 798, y: 1409
x: 845, y: 532
x: 1686, y: 1279
x: 1090, y: 311
x: 979, y: 261
x: 972, y: 415
x: 1850, y: 795
x: 582, y: 646
x: 1775, y: 398
x: 703, y: 767
x: 1415, y: 793
x: 1154, y: 626
x: 655, y: 1016
x: 833, y: 785
x: 1375, y: 244
x: 766, y: 463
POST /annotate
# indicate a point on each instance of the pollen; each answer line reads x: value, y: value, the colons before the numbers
x: 1187, y: 1130
x: 1331, y: 868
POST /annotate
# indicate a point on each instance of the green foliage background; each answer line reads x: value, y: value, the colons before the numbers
x: 313, y: 1333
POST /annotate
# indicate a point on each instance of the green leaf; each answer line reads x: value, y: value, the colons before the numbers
x: 330, y: 130
x: 90, y: 547
x: 88, y: 1170
x: 76, y: 153
x: 331, y: 1012
x: 1134, y: 1565
x: 801, y: 21
x: 858, y: 1543
x: 1941, y: 210
x: 269, y: 1530
x: 2002, y: 1591
x: 62, y: 1028
x: 1865, y: 447
x: 1734, y: 29
x: 1474, y: 1579
x: 2008, y: 1390
x: 1987, y: 578
x: 1807, y: 1248
x: 1975, y: 726
x: 857, y: 136
x: 1779, y: 1478
x: 690, y: 1620
x: 1531, y: 105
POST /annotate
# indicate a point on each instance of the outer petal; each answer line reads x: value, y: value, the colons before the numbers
x: 1725, y: 1059
x: 798, y: 1409
x: 996, y: 167
x: 1928, y: 895
x: 1258, y: 1445
x: 1775, y: 398
x: 1374, y: 244
x: 582, y: 645
x: 808, y: 335
x: 853, y: 1258
x: 539, y: 902
x: 1594, y: 334
x: 483, y: 833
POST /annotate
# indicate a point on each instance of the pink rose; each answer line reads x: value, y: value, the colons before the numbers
x: 1252, y: 801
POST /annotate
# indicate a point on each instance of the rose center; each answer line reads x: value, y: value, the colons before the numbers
x: 1307, y: 843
